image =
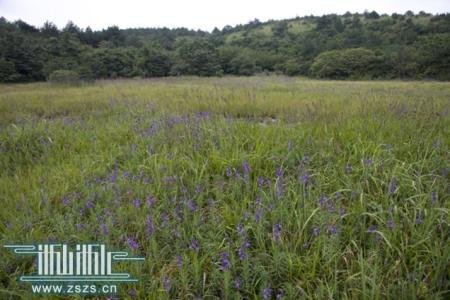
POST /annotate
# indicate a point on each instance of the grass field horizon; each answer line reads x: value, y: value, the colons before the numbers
x: 264, y: 187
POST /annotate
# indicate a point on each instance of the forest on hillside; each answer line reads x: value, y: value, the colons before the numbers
x: 349, y: 46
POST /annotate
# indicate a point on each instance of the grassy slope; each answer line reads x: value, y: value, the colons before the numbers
x: 297, y: 26
x: 351, y: 138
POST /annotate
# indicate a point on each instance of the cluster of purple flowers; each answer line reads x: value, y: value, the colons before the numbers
x: 245, y: 244
x: 151, y: 201
x: 332, y: 229
x: 393, y: 186
x: 246, y: 170
x: 195, y: 245
x: 279, y: 189
x: 225, y: 263
x: 167, y: 284
x: 137, y: 203
x: 276, y: 232
x: 150, y: 226
x: 132, y: 243
x: 104, y: 228
x: 305, y: 178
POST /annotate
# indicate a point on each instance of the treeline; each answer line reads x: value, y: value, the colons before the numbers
x: 355, y: 46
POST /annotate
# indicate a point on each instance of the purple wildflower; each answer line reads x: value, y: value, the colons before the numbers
x: 434, y: 197
x: 176, y: 233
x: 151, y: 201
x: 113, y: 176
x: 372, y: 228
x: 137, y: 203
x: 237, y: 283
x: 242, y: 251
x: 164, y: 217
x: 323, y: 200
x: 240, y: 229
x: 279, y: 189
x: 225, y: 261
x: 419, y: 219
x: 104, y: 228
x: 198, y: 189
x: 280, y: 294
x: 65, y: 201
x: 132, y: 293
x: 276, y: 232
x: 279, y: 173
x: 330, y: 207
x: 332, y: 229
x: 305, y: 159
x: 133, y: 244
x: 246, y: 170
x: 393, y: 186
x: 89, y: 204
x: 305, y: 178
x: 166, y: 284
x: 195, y: 245
x: 391, y: 224
x: 258, y: 200
x: 316, y: 231
x: 258, y: 214
x: 260, y: 181
x: 267, y: 293
x: 368, y: 162
x: 228, y: 172
x: 150, y: 225
x: 192, y: 205
x: 179, y: 261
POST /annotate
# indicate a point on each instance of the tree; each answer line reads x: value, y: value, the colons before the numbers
x: 196, y: 57
x: 243, y: 64
x: 8, y: 71
x: 433, y: 54
x: 49, y: 30
x: 347, y: 63
x: 154, y: 62
x: 113, y: 62
x: 280, y: 28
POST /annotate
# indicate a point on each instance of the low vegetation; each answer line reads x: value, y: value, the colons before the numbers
x: 260, y: 187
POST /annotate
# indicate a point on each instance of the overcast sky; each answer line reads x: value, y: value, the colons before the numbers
x: 194, y: 14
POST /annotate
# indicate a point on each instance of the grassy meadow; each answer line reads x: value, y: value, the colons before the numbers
x: 234, y: 188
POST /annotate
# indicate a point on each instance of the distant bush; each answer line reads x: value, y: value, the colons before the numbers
x: 355, y: 63
x: 292, y: 67
x: 64, y: 77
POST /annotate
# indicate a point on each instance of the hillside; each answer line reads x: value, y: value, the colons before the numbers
x: 355, y: 46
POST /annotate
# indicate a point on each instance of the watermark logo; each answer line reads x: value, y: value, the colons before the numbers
x: 84, y: 265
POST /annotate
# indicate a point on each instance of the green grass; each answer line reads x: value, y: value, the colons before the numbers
x: 361, y: 209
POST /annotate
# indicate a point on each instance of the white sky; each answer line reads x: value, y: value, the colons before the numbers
x: 194, y: 14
